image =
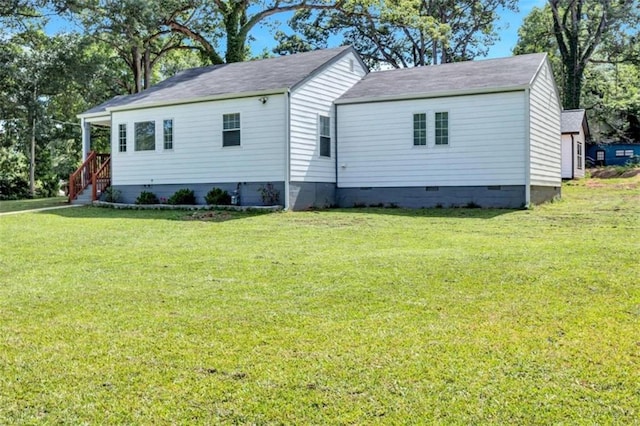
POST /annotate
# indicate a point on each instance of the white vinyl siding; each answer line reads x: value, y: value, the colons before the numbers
x: 199, y: 157
x: 486, y: 143
x: 315, y: 97
x: 568, y: 157
x: 545, y: 146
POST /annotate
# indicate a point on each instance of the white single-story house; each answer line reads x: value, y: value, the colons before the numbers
x: 323, y: 131
x: 575, y: 132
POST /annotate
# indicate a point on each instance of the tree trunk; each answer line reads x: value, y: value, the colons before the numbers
x: 235, y: 39
x: 32, y: 163
x: 136, y: 67
x: 573, y: 86
x: 147, y: 68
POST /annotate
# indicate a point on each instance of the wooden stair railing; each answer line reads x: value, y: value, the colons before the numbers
x: 101, y: 179
x: 81, y: 178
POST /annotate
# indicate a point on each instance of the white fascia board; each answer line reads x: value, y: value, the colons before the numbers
x: 95, y: 116
x: 446, y: 94
x: 223, y: 96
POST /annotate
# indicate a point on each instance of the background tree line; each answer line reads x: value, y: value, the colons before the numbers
x: 124, y: 46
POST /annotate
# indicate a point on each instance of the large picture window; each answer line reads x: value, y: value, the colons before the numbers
x: 145, y: 136
x: 325, y: 136
x: 419, y: 129
x: 442, y: 128
x: 167, y: 130
x: 231, y: 129
x: 122, y: 137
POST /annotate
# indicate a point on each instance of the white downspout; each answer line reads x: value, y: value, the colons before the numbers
x: 527, y: 148
x: 287, y: 147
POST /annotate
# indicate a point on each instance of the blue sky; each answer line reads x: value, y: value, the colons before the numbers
x: 509, y: 23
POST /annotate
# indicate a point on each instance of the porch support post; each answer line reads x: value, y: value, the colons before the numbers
x: 86, y: 138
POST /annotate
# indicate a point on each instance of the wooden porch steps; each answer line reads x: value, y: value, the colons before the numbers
x: 91, y: 178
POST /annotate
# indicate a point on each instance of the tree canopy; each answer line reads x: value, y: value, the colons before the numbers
x: 401, y: 33
x: 594, y: 51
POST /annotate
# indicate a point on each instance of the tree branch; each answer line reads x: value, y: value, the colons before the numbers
x: 206, y: 46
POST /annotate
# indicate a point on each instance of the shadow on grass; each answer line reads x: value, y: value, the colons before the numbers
x: 226, y: 215
x: 461, y: 212
x: 89, y: 212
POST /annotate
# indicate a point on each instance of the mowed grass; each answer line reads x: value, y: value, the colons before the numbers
x: 35, y: 203
x: 361, y: 316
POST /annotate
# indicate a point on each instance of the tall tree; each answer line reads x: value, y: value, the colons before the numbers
x: 45, y: 81
x: 403, y: 33
x: 235, y: 19
x: 579, y: 27
x: 135, y: 29
x: 611, y: 77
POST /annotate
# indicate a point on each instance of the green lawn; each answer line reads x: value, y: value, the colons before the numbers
x: 363, y: 316
x: 36, y: 203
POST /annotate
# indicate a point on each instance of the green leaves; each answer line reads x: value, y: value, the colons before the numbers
x: 594, y: 53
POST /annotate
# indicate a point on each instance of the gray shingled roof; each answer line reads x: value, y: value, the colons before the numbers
x: 471, y: 76
x: 242, y: 77
x: 572, y: 120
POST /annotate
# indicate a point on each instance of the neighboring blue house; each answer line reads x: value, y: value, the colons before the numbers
x: 613, y: 154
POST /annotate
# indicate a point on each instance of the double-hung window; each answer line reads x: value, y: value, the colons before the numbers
x: 420, y: 129
x: 167, y: 134
x: 145, y: 136
x: 122, y: 137
x: 579, y: 155
x: 442, y: 128
x: 231, y: 129
x: 325, y: 135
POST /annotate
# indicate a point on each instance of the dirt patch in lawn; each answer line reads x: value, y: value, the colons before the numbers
x: 211, y: 216
x: 614, y: 172
x: 629, y: 179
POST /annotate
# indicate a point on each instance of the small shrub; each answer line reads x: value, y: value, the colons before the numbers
x: 270, y: 195
x: 472, y: 205
x: 218, y: 196
x: 182, y: 196
x: 13, y: 187
x: 111, y: 195
x: 147, y: 197
x: 359, y: 205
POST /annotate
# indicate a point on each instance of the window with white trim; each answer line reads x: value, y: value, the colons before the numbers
x: 231, y: 129
x: 419, y: 129
x: 579, y: 155
x: 122, y: 137
x: 324, y: 132
x: 145, y: 136
x: 167, y: 134
x: 442, y: 128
